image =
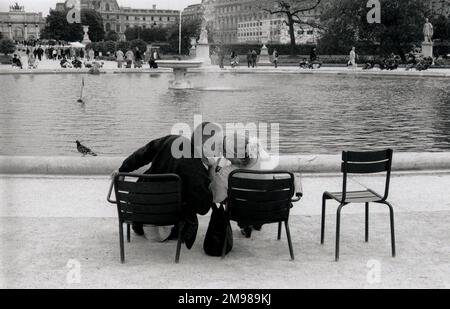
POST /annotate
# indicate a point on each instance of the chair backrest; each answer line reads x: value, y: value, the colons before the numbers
x: 371, y: 162
x: 260, y: 197
x: 149, y: 199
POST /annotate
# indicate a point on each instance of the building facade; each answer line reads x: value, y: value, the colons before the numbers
x: 19, y: 25
x: 192, y: 12
x: 274, y: 31
x: 246, y: 21
x: 118, y: 18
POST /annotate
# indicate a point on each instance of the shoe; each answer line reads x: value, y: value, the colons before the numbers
x: 138, y: 229
x: 247, y: 232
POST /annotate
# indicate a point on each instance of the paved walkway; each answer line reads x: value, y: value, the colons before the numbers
x: 47, y: 221
x: 50, y: 66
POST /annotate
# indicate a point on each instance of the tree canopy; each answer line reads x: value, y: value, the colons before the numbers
x: 189, y: 28
x: 112, y: 36
x: 58, y: 28
x: 150, y: 35
x: 7, y: 46
x: 345, y: 25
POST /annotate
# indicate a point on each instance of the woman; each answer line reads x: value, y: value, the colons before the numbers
x: 234, y: 59
x: 352, y: 60
x: 32, y: 61
x: 253, y: 157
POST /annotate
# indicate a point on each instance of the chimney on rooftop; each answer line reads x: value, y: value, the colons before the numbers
x: 154, y: 6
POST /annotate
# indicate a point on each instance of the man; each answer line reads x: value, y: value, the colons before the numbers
x: 221, y: 57
x: 193, y: 172
x: 137, y: 58
x: 352, y: 60
x: 120, y: 58
x: 249, y: 58
x: 313, y: 55
x: 254, y: 58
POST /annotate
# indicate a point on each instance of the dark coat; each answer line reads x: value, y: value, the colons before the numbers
x: 197, y: 197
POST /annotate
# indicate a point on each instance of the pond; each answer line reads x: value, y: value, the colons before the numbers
x: 317, y: 113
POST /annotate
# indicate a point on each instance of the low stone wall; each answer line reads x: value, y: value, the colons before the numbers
x: 293, y: 163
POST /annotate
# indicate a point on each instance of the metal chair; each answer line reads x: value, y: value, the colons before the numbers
x: 148, y: 200
x: 261, y: 197
x: 361, y: 163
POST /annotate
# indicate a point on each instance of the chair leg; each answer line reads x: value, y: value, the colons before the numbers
x: 338, y: 231
x: 367, y: 222
x: 322, y: 230
x: 288, y: 234
x: 177, y: 255
x: 391, y: 211
x: 279, y: 230
x: 122, y: 249
x: 128, y: 233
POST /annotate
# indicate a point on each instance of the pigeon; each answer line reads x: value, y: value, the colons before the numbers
x: 84, y: 150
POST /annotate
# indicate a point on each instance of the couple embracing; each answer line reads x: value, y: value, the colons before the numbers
x: 203, y: 164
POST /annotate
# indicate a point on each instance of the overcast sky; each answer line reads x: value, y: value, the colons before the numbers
x: 44, y: 5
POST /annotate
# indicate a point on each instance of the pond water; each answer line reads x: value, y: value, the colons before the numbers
x: 325, y: 114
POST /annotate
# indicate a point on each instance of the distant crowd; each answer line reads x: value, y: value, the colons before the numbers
x: 78, y: 57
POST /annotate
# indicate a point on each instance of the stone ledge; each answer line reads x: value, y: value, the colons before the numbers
x: 10, y: 165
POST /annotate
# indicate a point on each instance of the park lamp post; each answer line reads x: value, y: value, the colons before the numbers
x: 179, y: 41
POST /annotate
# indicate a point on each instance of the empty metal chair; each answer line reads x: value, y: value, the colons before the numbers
x: 361, y: 163
x: 261, y: 197
x: 148, y: 200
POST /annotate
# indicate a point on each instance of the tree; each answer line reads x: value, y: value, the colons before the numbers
x: 189, y: 28
x: 95, y: 22
x: 441, y: 28
x: 345, y: 25
x: 291, y: 9
x: 109, y: 47
x: 58, y: 28
x: 141, y: 44
x: 155, y: 34
x: 7, y: 46
x: 123, y: 46
x: 112, y: 36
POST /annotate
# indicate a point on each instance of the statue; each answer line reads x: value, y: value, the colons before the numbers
x: 428, y: 31
x: 427, y: 45
x: 202, y: 51
x: 203, y: 32
x: 86, y: 38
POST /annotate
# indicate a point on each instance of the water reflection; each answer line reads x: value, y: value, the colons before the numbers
x: 39, y: 114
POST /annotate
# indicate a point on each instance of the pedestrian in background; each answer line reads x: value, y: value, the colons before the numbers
x: 275, y: 58
x: 254, y: 58
x: 120, y: 58
x: 91, y: 55
x: 249, y: 58
x: 129, y: 56
x: 352, y: 60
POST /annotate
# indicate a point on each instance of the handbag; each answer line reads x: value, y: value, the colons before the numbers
x: 219, y: 229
